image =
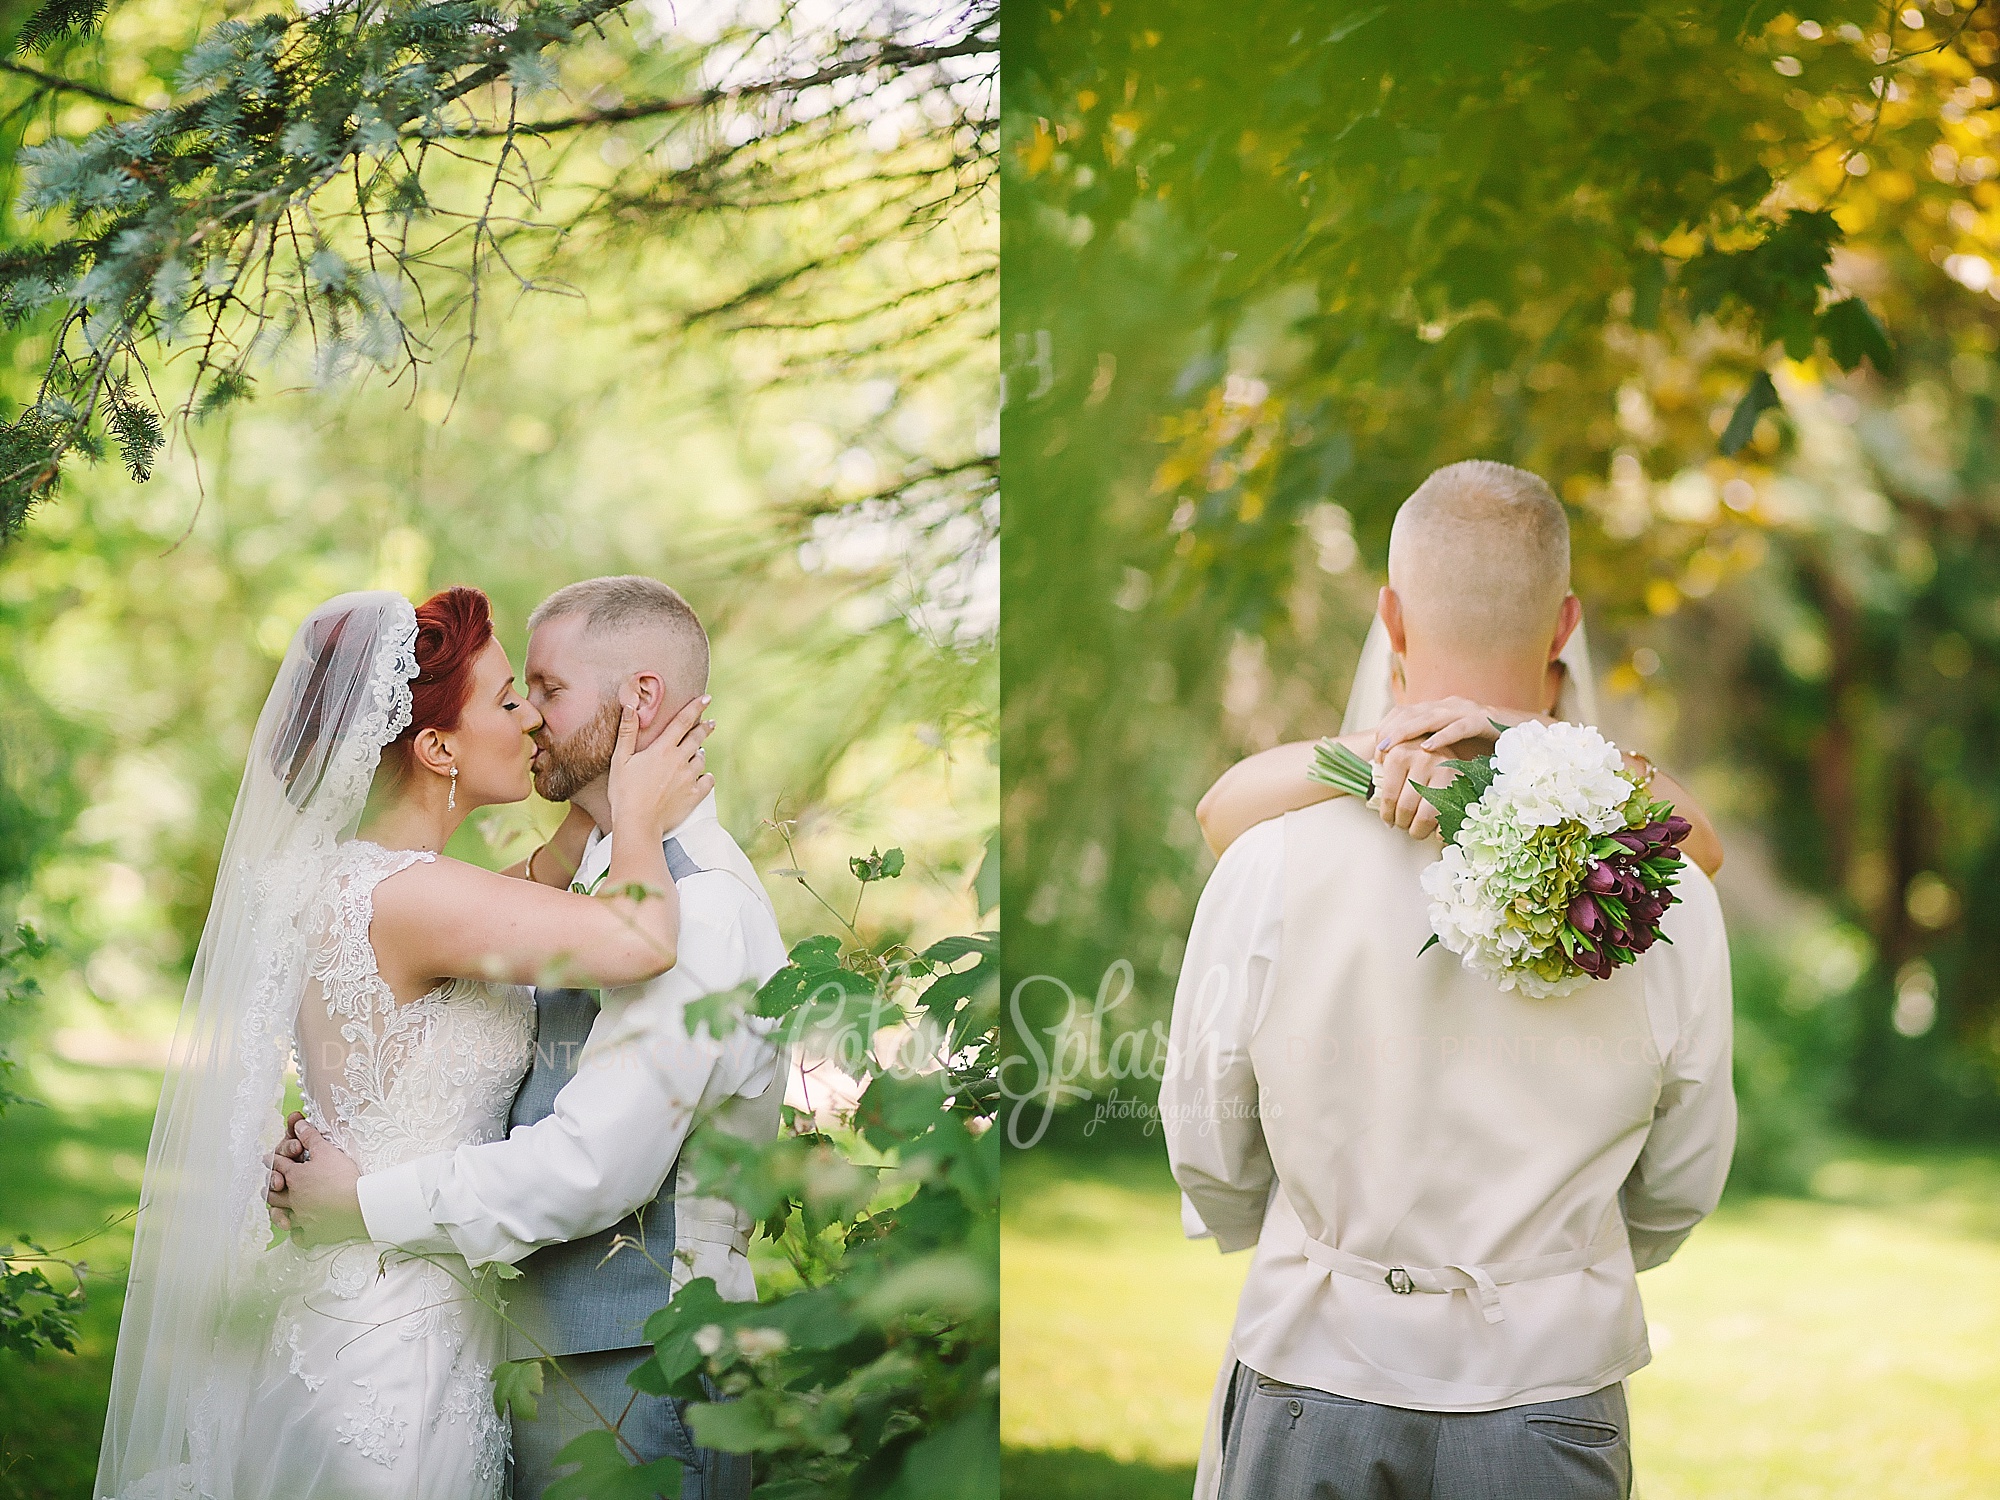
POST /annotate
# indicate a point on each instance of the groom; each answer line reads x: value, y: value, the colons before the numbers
x: 600, y: 1121
x: 1448, y: 1187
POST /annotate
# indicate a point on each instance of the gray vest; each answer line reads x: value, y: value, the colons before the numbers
x: 573, y: 1300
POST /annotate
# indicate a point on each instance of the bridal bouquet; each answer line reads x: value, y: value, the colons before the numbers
x: 1557, y: 866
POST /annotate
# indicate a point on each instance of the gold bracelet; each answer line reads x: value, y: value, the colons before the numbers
x: 1651, y: 769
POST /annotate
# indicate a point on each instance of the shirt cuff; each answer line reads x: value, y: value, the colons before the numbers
x: 1650, y: 1247
x: 395, y: 1207
x: 1234, y: 1226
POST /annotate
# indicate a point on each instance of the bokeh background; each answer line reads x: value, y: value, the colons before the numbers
x: 1725, y: 275
x: 750, y: 352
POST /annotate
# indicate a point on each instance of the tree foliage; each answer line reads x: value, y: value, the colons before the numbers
x: 356, y: 178
x: 1720, y: 272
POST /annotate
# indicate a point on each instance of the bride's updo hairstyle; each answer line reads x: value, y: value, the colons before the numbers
x: 453, y: 628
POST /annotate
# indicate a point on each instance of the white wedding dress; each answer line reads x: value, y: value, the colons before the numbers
x: 377, y: 1378
x: 253, y: 1370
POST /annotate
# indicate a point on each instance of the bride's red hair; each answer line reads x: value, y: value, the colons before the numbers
x: 453, y: 628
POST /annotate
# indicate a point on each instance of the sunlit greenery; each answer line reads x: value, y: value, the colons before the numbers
x: 732, y: 328
x: 1263, y: 276
x: 1726, y: 275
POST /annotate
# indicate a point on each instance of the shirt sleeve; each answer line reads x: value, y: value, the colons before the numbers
x: 1208, y: 1099
x: 1678, y: 1178
x: 617, y: 1126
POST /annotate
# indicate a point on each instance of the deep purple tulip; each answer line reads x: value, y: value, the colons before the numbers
x: 1585, y: 915
x: 1593, y: 960
x: 1603, y: 878
x: 1631, y: 840
x: 1678, y: 828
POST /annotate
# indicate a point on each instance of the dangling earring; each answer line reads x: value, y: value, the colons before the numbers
x: 451, y: 802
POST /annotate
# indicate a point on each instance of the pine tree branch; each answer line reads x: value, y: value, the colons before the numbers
x: 890, y: 56
x: 56, y: 83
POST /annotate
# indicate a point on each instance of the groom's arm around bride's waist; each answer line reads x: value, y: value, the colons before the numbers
x: 616, y: 1128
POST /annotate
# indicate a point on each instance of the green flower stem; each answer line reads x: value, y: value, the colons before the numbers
x: 1337, y: 766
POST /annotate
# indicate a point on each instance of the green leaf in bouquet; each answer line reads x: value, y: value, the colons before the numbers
x: 1454, y: 799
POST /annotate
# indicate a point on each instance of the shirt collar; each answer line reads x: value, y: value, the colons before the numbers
x: 704, y: 813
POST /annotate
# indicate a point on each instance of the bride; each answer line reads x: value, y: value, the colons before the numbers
x: 396, y: 982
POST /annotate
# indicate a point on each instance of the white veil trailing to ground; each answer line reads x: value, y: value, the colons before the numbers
x: 1373, y: 694
x: 194, y: 1316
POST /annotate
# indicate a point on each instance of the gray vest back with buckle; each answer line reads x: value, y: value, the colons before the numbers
x: 571, y: 1299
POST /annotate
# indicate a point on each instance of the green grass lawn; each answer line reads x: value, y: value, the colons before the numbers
x: 69, y: 1166
x: 1842, y: 1346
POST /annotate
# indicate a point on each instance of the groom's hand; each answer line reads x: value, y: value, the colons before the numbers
x: 312, y: 1182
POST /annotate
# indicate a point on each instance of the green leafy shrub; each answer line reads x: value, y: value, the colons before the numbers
x: 875, y: 1372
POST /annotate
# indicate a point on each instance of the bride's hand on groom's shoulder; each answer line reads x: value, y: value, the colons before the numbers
x: 1441, y: 723
x: 1413, y: 743
x: 1399, y: 771
x: 669, y: 778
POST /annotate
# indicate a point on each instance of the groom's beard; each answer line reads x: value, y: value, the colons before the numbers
x: 567, y: 766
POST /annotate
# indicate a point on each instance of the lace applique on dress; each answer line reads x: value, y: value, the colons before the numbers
x: 412, y: 1340
x: 390, y: 1081
x: 373, y: 1428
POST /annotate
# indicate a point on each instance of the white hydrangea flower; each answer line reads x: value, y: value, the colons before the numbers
x: 1547, y: 774
x: 1547, y: 777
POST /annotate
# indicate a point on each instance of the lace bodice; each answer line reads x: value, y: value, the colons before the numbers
x: 387, y: 1081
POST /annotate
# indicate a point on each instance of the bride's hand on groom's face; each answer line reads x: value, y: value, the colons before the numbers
x: 669, y: 778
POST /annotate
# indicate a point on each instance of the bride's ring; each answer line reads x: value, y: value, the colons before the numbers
x: 305, y: 1155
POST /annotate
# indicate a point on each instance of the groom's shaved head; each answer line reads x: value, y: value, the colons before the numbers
x: 1479, y: 559
x: 638, y: 624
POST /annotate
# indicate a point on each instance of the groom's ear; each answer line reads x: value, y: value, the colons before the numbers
x: 653, y: 706
x: 1390, y: 608
x: 1567, y: 619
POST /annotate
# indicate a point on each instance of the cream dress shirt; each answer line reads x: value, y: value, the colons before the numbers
x: 1368, y: 1119
x: 641, y: 1084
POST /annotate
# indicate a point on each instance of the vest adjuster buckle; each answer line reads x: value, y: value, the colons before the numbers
x: 1400, y: 1282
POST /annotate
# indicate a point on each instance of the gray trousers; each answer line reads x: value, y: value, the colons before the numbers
x: 655, y: 1425
x: 1286, y: 1442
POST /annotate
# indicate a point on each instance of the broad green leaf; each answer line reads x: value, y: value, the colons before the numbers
x: 1760, y: 398
x: 1853, y: 334
x: 607, y: 1472
x: 517, y: 1385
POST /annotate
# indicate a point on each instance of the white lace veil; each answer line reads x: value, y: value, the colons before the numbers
x: 193, y: 1321
x: 1372, y: 695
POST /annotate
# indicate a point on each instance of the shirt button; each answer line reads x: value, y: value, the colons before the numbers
x: 1296, y: 1407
